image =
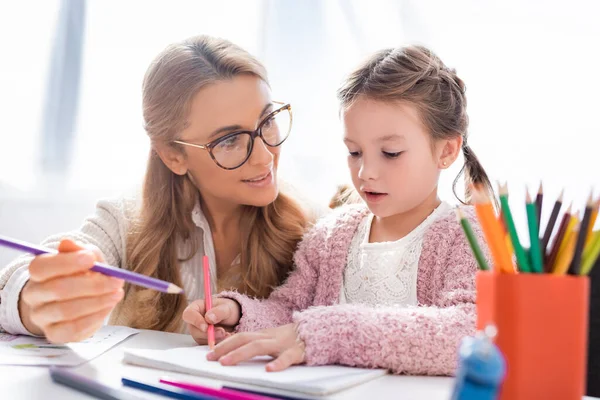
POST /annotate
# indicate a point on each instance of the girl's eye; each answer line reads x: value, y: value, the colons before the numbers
x: 392, y: 155
x: 354, y: 153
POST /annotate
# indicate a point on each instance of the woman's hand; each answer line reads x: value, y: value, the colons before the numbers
x: 65, y: 301
x: 281, y: 343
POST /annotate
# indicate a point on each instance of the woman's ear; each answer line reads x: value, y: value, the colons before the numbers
x: 174, y: 159
x: 450, y: 148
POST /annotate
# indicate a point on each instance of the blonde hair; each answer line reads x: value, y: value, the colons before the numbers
x: 269, y: 235
x: 414, y: 74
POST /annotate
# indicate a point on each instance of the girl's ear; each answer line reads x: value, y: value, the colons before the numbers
x: 173, y: 158
x: 450, y: 148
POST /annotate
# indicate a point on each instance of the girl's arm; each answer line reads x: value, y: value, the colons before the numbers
x: 297, y: 293
x: 419, y: 340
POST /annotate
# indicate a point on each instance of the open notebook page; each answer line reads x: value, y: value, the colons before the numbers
x: 320, y: 380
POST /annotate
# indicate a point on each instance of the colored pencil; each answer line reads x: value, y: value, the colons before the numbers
x: 105, y: 269
x: 539, y: 202
x: 534, y: 249
x: 522, y: 262
x: 492, y: 231
x: 551, y: 223
x: 558, y: 238
x: 566, y: 254
x: 472, y: 240
x: 590, y: 259
x: 593, y: 218
x: 581, y: 239
x: 208, y: 301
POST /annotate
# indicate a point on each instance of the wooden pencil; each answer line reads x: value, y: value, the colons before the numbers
x: 537, y: 263
x: 472, y: 240
x: 582, y: 237
x: 522, y: 260
x: 590, y: 258
x: 492, y: 231
x: 550, y: 225
x: 558, y: 238
x: 539, y: 201
x: 592, y: 221
x: 566, y: 254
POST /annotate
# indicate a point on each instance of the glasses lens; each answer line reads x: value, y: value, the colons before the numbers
x: 277, y: 128
x: 232, y: 151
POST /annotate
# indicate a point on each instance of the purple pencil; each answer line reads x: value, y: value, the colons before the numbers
x: 105, y: 269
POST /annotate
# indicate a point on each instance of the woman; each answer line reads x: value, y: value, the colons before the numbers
x: 210, y: 189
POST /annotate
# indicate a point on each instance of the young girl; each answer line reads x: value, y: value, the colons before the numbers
x: 210, y: 189
x: 390, y: 285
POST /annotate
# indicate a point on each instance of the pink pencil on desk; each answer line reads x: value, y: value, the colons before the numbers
x: 208, y: 301
x: 225, y: 394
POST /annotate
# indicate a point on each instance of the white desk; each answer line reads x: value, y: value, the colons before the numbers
x: 34, y: 382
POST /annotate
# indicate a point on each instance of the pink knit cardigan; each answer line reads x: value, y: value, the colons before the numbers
x: 413, y: 340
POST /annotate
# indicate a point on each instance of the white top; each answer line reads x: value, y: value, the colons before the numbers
x: 385, y: 273
x: 107, y: 230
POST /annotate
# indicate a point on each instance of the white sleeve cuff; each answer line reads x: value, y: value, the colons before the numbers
x: 10, y: 320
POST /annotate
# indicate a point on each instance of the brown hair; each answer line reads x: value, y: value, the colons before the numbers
x: 416, y: 75
x: 269, y: 235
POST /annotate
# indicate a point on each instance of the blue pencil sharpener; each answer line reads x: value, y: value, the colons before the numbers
x: 481, y: 368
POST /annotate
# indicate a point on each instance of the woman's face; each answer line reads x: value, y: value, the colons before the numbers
x: 218, y: 110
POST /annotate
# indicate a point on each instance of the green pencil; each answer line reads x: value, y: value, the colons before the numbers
x: 472, y: 240
x: 535, y: 250
x: 522, y: 260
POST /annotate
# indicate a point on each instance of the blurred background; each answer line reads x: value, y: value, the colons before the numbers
x: 71, y: 73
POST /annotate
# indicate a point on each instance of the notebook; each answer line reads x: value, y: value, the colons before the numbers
x: 316, y: 381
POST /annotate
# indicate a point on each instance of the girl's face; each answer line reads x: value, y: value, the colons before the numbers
x: 218, y: 110
x: 394, y: 164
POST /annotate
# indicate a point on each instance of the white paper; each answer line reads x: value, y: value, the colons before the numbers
x: 27, y: 350
x: 319, y: 380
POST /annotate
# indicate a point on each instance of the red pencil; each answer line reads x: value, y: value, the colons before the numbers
x: 208, y: 301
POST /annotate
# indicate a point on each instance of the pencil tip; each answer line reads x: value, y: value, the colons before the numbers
x: 590, y: 201
x: 174, y: 289
x: 561, y: 195
x: 503, y: 189
x: 459, y: 213
x: 541, y: 189
x: 527, y: 195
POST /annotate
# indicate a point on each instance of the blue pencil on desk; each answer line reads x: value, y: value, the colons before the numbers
x: 105, y: 269
x: 168, y: 391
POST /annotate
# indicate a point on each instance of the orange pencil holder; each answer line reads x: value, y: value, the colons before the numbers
x: 542, y: 322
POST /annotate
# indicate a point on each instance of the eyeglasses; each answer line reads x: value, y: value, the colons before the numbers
x: 234, y: 149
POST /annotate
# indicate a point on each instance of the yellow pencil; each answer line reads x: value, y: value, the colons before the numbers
x: 566, y: 254
x: 573, y: 223
x: 593, y: 218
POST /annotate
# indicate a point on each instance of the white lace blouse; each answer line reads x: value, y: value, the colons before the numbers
x: 385, y: 273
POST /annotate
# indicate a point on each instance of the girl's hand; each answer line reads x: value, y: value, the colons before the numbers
x: 224, y: 314
x: 282, y: 343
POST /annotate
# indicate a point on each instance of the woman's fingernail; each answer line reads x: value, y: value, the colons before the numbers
x: 203, y: 327
x: 211, y: 356
x: 211, y: 317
